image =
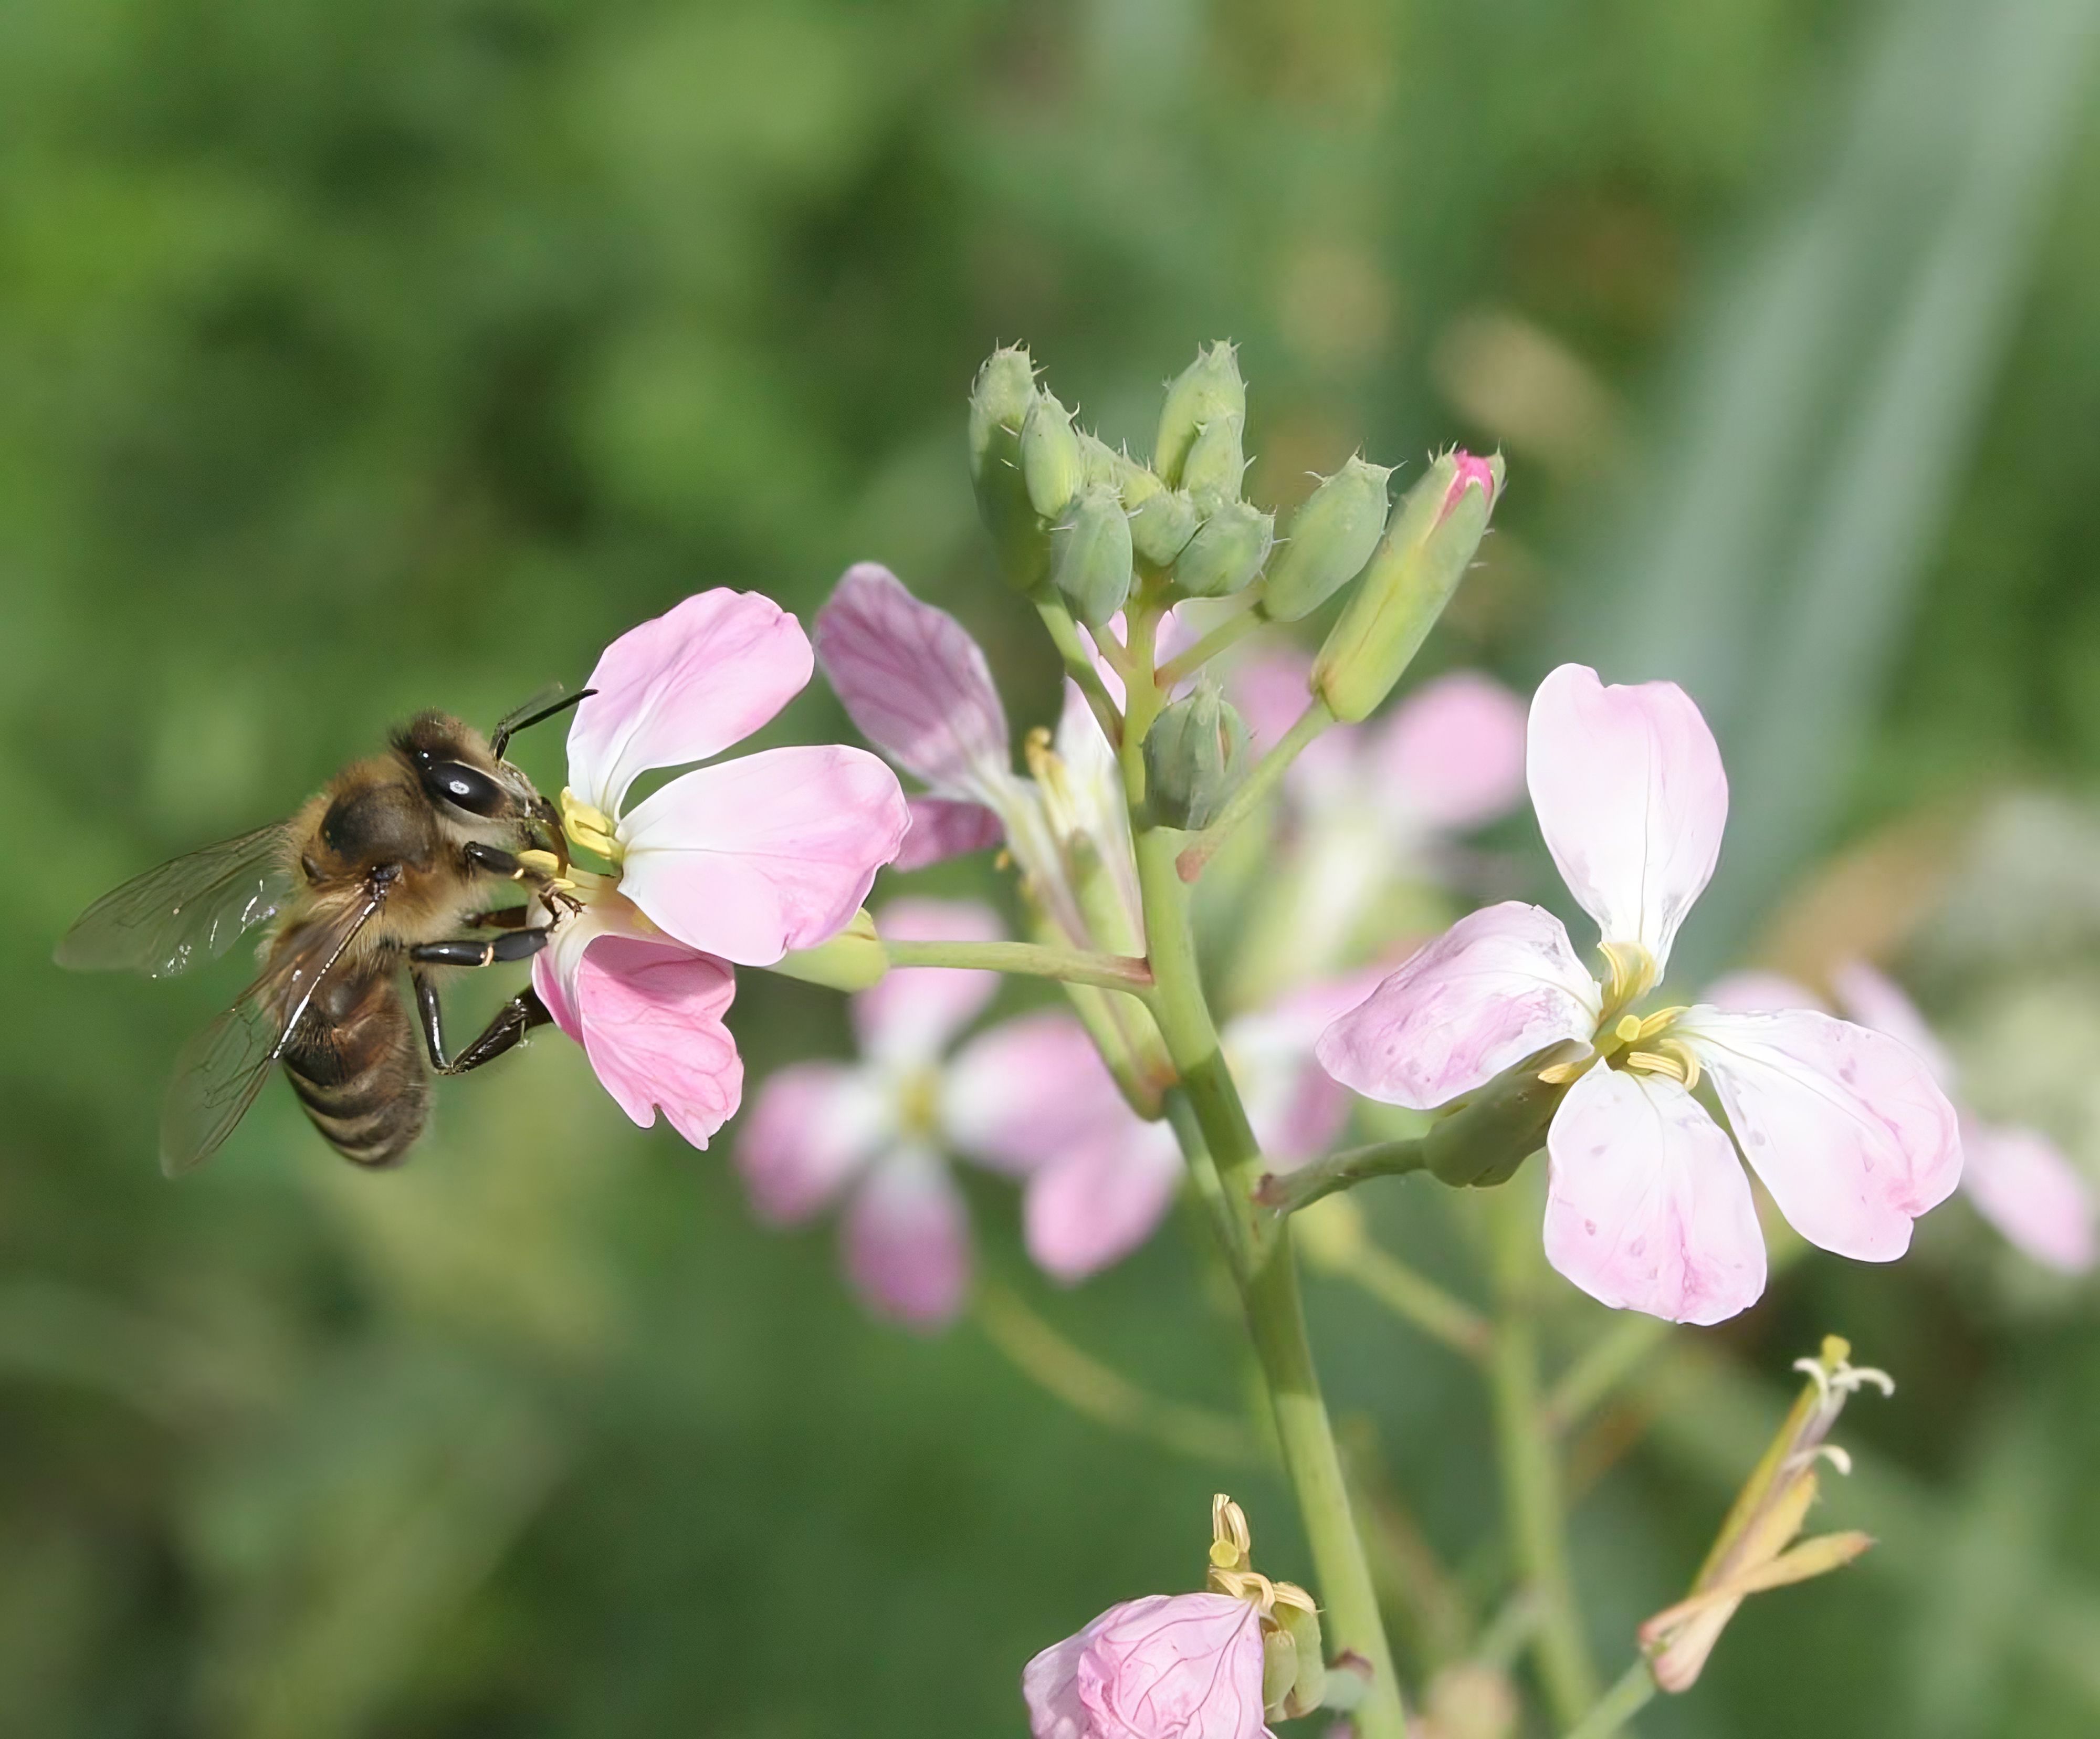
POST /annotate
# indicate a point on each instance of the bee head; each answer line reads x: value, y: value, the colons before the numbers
x: 460, y: 774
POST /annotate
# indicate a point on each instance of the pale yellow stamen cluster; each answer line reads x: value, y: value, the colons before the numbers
x: 590, y: 829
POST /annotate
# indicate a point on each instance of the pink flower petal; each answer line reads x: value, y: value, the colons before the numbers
x: 1091, y: 1207
x: 1753, y: 991
x: 907, y: 1240
x: 1452, y: 756
x: 1271, y: 687
x: 914, y: 682
x: 2025, y: 1186
x: 909, y: 1017
x: 1631, y: 796
x: 1172, y: 1666
x: 649, y: 1016
x: 1876, y: 1000
x: 682, y: 687
x: 1028, y: 1091
x: 1296, y: 1108
x: 1846, y: 1126
x: 944, y: 827
x: 750, y: 858
x: 813, y: 1125
x: 1500, y: 984
x: 1647, y: 1208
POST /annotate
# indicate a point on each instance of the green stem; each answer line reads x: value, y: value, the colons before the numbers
x: 1617, y: 1705
x: 1530, y: 1467
x: 1261, y: 1259
x: 1142, y: 698
x: 1260, y: 782
x: 1030, y: 959
x: 1079, y: 662
x: 1083, y: 1383
x: 1243, y: 620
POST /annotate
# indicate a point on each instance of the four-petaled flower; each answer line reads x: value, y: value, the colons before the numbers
x: 1647, y: 1207
x: 734, y: 863
x: 2020, y: 1181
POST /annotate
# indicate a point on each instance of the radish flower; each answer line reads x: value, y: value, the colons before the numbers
x: 733, y: 863
x: 2020, y: 1181
x: 1647, y: 1207
x: 1166, y: 1666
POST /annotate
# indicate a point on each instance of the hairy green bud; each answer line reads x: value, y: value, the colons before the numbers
x: 1050, y: 461
x: 1330, y: 538
x: 1209, y: 388
x: 1216, y: 463
x: 999, y: 402
x: 1195, y: 754
x: 1226, y: 552
x: 1418, y: 565
x: 1162, y: 523
x: 1090, y: 560
x: 1101, y: 463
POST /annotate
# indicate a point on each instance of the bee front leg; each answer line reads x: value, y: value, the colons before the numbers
x: 512, y: 1020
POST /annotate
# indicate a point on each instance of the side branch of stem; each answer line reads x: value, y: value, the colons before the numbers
x: 1031, y: 960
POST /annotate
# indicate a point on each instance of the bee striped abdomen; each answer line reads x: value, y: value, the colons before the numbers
x: 355, y: 1063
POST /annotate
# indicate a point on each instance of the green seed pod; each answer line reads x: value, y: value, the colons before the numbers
x: 1331, y: 536
x: 999, y: 400
x: 1226, y: 552
x: 1209, y: 388
x: 1417, y: 567
x: 1279, y: 1670
x: 1216, y: 463
x: 1301, y: 1624
x: 1162, y: 523
x: 1089, y: 558
x: 1195, y: 754
x: 1050, y: 463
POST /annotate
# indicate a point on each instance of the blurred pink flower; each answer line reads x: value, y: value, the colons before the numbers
x: 1647, y: 1207
x: 734, y: 863
x: 1166, y: 1667
x: 2020, y: 1181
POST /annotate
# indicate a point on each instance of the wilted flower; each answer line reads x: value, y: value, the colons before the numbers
x: 734, y: 863
x: 1756, y: 1550
x: 2020, y: 1181
x: 1647, y: 1207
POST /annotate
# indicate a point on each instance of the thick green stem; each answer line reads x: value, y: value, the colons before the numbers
x: 1260, y: 1250
x: 1114, y: 971
x: 1531, y: 1496
x: 1617, y: 1705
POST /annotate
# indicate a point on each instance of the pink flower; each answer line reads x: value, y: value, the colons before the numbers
x: 1030, y: 1098
x: 2020, y: 1181
x: 1166, y: 1667
x: 1373, y: 804
x: 734, y: 863
x: 1647, y: 1207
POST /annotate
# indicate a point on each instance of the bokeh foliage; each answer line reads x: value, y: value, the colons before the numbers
x: 359, y: 359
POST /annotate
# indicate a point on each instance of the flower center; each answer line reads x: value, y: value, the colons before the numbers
x: 919, y: 1104
x: 591, y: 829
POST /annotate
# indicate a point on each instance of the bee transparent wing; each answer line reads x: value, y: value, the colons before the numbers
x: 221, y: 1070
x: 191, y: 909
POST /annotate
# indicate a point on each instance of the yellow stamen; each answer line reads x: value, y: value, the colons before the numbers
x: 590, y: 828
x: 1633, y: 973
x: 1567, y: 1071
x: 1654, y: 1063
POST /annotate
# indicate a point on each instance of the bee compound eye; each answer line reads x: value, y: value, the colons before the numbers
x: 466, y: 787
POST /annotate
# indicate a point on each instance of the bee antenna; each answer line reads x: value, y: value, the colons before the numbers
x: 536, y: 711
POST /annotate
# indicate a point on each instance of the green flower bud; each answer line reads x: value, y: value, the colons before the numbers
x: 1331, y: 536
x: 1226, y: 552
x: 1101, y: 463
x: 852, y: 960
x: 1209, y: 388
x: 999, y: 401
x: 1091, y: 555
x: 1194, y: 757
x: 1162, y: 524
x: 1279, y: 1670
x: 1050, y: 463
x: 1424, y: 554
x: 1216, y: 463
x: 1300, y: 1620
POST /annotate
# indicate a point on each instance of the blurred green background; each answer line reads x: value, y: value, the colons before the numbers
x: 355, y: 358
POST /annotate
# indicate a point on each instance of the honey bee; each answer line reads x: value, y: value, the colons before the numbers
x: 378, y: 872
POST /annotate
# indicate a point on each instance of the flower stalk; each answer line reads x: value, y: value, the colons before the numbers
x: 1030, y: 959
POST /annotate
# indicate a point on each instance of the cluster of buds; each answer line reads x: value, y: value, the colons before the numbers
x: 1088, y: 527
x: 1757, y: 1549
x: 1218, y: 1665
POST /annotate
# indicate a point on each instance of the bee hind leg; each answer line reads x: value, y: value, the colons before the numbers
x: 505, y: 1032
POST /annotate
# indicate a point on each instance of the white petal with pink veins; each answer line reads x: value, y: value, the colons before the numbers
x: 682, y: 687
x: 1846, y: 1126
x: 1647, y: 1208
x: 1755, y: 991
x: 1498, y: 985
x: 751, y: 858
x: 1874, y: 1000
x: 2026, y: 1186
x: 1631, y: 797
x: 914, y: 682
